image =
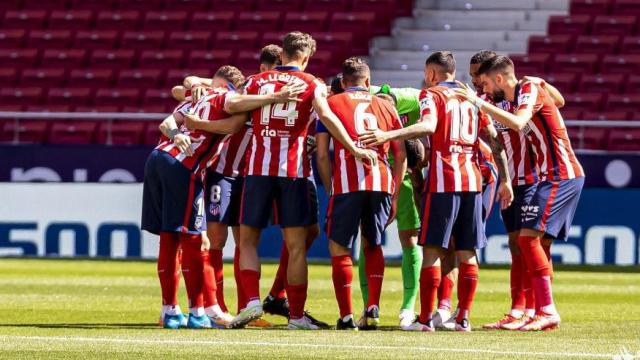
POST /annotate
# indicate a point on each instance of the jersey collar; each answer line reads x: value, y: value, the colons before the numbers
x: 449, y: 84
x: 231, y: 87
x: 287, y: 68
x: 356, y: 88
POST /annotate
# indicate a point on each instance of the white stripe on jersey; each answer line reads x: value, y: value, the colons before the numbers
x: 222, y: 157
x: 253, y: 154
x: 523, y: 154
x: 344, y: 181
x: 390, y: 182
x: 168, y: 147
x: 473, y: 185
x: 300, y: 160
x: 362, y: 185
x: 457, y: 175
x: 377, y: 181
x: 283, y: 159
x: 266, y: 142
x: 543, y: 146
x: 565, y: 159
x: 439, y: 174
x: 509, y: 151
x: 240, y: 154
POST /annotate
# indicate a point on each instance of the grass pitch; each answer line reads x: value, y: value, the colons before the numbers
x: 71, y: 309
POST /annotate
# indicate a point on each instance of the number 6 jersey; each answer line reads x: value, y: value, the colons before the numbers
x: 278, y: 145
x: 453, y: 166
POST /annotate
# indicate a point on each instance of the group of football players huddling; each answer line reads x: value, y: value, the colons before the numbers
x: 236, y: 154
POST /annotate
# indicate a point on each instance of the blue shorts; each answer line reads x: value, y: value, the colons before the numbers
x: 288, y: 197
x: 313, y: 193
x: 171, y: 196
x: 488, y: 199
x: 457, y: 214
x: 553, y: 206
x: 512, y: 216
x: 222, y: 197
x: 368, y: 210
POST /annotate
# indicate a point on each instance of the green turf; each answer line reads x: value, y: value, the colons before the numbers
x: 109, y: 310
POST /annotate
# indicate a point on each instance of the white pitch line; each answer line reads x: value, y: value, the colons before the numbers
x: 303, y: 345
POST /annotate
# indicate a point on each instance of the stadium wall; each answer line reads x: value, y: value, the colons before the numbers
x: 75, y: 210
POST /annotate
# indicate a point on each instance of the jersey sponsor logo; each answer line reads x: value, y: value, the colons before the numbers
x: 266, y: 132
x: 530, y: 212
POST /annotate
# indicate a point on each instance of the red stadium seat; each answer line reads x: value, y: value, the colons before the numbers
x: 590, y: 7
x: 43, y: 77
x: 139, y: 78
x: 189, y: 40
x: 605, y: 115
x: 323, y: 64
x: 21, y: 95
x: 571, y: 113
x: 248, y: 61
x: 26, y: 19
x: 635, y: 116
x: 69, y: 96
x: 624, y: 102
x: 120, y: 132
x: 276, y: 37
x: 163, y: 59
x: 219, y: 20
x: 117, y: 97
x: 633, y: 85
x: 46, y: 5
x: 8, y: 76
x: 95, y: 5
x: 279, y: 5
x: 18, y: 58
x: 384, y: 11
x: 118, y: 20
x: 12, y: 38
x: 165, y: 20
x: 138, y: 40
x: 73, y: 58
x: 552, y: 44
x: 72, y: 132
x: 157, y: 97
x: 587, y: 138
x: 112, y: 59
x: 338, y: 43
x: 10, y: 4
x: 588, y: 44
x: 91, y: 78
x: 202, y: 59
x: 624, y: 140
x: 613, y: 25
x: 260, y: 20
x: 187, y: 5
x: 49, y: 39
x: 602, y: 83
x: 147, y: 108
x: 569, y: 25
x: 96, y: 39
x: 151, y: 134
x: 357, y: 23
x: 306, y: 21
x: 565, y: 82
x: 236, y: 40
x: 577, y: 63
x: 142, y: 5
x: 626, y: 7
x: 583, y: 101
x: 70, y: 20
x: 630, y: 45
x: 531, y: 64
x: 25, y: 131
x: 620, y: 64
x: 49, y: 108
x: 326, y: 5
x: 234, y: 5
x: 176, y: 77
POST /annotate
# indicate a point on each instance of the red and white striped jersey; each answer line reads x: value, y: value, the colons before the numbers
x: 230, y: 156
x: 278, y: 144
x: 487, y: 163
x: 520, y: 159
x: 547, y: 135
x: 210, y: 107
x: 454, y: 144
x: 358, y: 111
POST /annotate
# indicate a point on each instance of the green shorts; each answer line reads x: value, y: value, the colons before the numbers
x: 407, y: 216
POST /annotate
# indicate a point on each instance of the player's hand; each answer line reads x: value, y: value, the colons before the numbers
x: 466, y: 92
x: 373, y: 137
x: 505, y: 194
x: 290, y: 92
x: 394, y: 210
x: 183, y: 143
x: 198, y: 92
x: 365, y: 155
x: 206, y: 244
x: 534, y: 79
x: 192, y: 121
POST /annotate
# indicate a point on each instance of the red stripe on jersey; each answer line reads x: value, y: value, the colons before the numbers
x: 230, y: 157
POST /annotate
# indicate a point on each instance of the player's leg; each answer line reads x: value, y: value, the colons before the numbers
x: 362, y: 275
x: 449, y: 268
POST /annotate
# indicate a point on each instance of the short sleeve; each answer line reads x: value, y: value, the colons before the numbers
x: 428, y: 104
x: 529, y: 98
x: 484, y: 119
x: 251, y: 86
x: 318, y: 89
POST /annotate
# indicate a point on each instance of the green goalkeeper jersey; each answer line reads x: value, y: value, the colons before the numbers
x: 407, y: 103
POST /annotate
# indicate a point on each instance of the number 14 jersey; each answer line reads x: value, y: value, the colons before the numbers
x: 453, y: 165
x: 278, y: 145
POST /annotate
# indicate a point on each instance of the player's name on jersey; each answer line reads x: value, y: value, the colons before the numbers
x: 360, y: 96
x: 281, y: 77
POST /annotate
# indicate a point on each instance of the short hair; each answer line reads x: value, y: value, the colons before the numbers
x: 230, y: 73
x: 482, y: 56
x: 443, y: 59
x: 498, y: 63
x: 297, y: 43
x: 354, y: 70
x: 336, y: 87
x: 270, y: 55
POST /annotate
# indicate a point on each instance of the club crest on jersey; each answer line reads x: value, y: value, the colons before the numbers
x: 214, y: 209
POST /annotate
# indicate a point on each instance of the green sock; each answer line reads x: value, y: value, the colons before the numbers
x: 364, y: 285
x: 411, y: 265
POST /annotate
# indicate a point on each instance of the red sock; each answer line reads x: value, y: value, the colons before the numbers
x: 527, y: 288
x: 193, y: 268
x: 242, y: 302
x: 518, y: 300
x: 445, y: 290
x: 169, y: 267
x: 210, y: 286
x: 547, y: 250
x: 467, y: 284
x: 374, y: 267
x: 218, y: 271
x: 539, y: 269
x: 297, y: 298
x: 429, y: 282
x: 280, y: 281
x: 250, y: 284
x: 342, y: 275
